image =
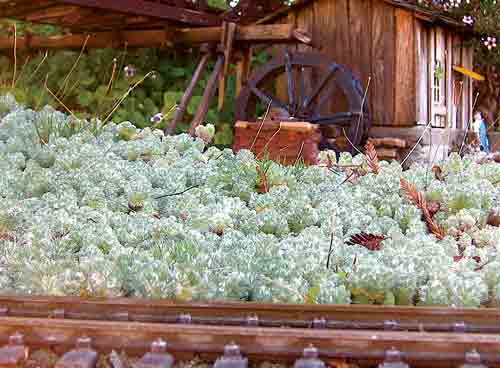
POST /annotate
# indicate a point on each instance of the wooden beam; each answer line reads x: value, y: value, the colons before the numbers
x: 188, y: 94
x: 20, y: 9
x: 243, y: 66
x: 208, y: 95
x: 254, y: 34
x: 152, y: 9
x: 227, y: 41
x: 52, y: 12
x: 152, y: 38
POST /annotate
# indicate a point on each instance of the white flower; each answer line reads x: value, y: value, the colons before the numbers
x: 467, y: 19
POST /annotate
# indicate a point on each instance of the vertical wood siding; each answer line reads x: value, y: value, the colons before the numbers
x: 449, y: 77
x: 458, y: 88
x: 405, y: 91
x: 382, y: 63
x: 422, y: 79
x: 467, y: 56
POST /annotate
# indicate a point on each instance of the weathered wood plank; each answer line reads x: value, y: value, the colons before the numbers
x: 307, y: 20
x: 154, y: 9
x: 468, y: 97
x: 382, y: 51
x: 272, y: 32
x: 440, y: 57
x: 144, y: 38
x: 458, y: 90
x: 360, y: 38
x: 52, y: 12
x: 450, y: 106
x: 422, y: 72
x: 342, y: 34
x: 243, y: 66
x: 466, y: 91
x: 404, y: 69
x: 323, y: 17
x: 23, y: 8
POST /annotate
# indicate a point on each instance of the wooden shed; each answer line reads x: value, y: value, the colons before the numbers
x: 404, y: 55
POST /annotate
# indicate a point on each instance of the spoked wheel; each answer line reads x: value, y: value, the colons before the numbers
x: 308, y: 87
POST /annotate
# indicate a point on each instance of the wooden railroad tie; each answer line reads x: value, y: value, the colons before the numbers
x: 419, y: 350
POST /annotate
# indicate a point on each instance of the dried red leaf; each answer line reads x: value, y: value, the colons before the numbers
x: 329, y: 162
x: 372, y: 158
x: 438, y: 173
x: 7, y: 236
x: 459, y: 258
x: 494, y: 218
x: 369, y: 241
x: 418, y: 200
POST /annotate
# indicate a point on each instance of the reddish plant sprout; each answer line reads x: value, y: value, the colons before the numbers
x: 369, y: 241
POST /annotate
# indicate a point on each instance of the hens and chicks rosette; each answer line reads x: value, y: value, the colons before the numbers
x: 109, y: 210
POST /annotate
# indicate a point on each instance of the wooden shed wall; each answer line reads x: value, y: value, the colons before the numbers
x: 385, y: 46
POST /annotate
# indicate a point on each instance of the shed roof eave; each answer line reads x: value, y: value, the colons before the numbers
x: 419, y: 12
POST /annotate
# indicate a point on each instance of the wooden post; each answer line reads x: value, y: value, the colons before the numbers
x: 227, y: 41
x: 243, y: 66
x: 188, y: 94
x: 208, y: 94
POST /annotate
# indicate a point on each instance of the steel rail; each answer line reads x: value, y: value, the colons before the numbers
x: 351, y: 317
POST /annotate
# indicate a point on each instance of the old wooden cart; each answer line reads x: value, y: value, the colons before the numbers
x: 228, y: 37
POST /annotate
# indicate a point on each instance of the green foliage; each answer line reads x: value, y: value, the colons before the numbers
x: 91, y: 84
x: 481, y: 16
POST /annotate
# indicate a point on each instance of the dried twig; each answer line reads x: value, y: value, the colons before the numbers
x: 177, y: 193
x: 361, y: 116
x: 15, y: 57
x: 269, y: 141
x: 480, y: 267
x: 263, y: 181
x: 66, y: 79
x: 112, y: 78
x: 330, y: 250
x: 350, y: 142
x: 417, y: 198
x: 416, y: 144
x: 124, y: 97
x: 468, y: 126
x: 261, y: 124
x: 299, y: 155
x: 372, y: 158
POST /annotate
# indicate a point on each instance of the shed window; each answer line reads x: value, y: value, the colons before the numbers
x: 437, y: 91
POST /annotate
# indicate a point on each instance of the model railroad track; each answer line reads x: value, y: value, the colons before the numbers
x: 351, y: 317
x: 83, y: 333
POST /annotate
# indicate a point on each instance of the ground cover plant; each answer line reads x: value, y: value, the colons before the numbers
x: 112, y: 210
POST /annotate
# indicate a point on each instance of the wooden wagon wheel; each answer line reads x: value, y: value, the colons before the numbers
x: 317, y: 91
